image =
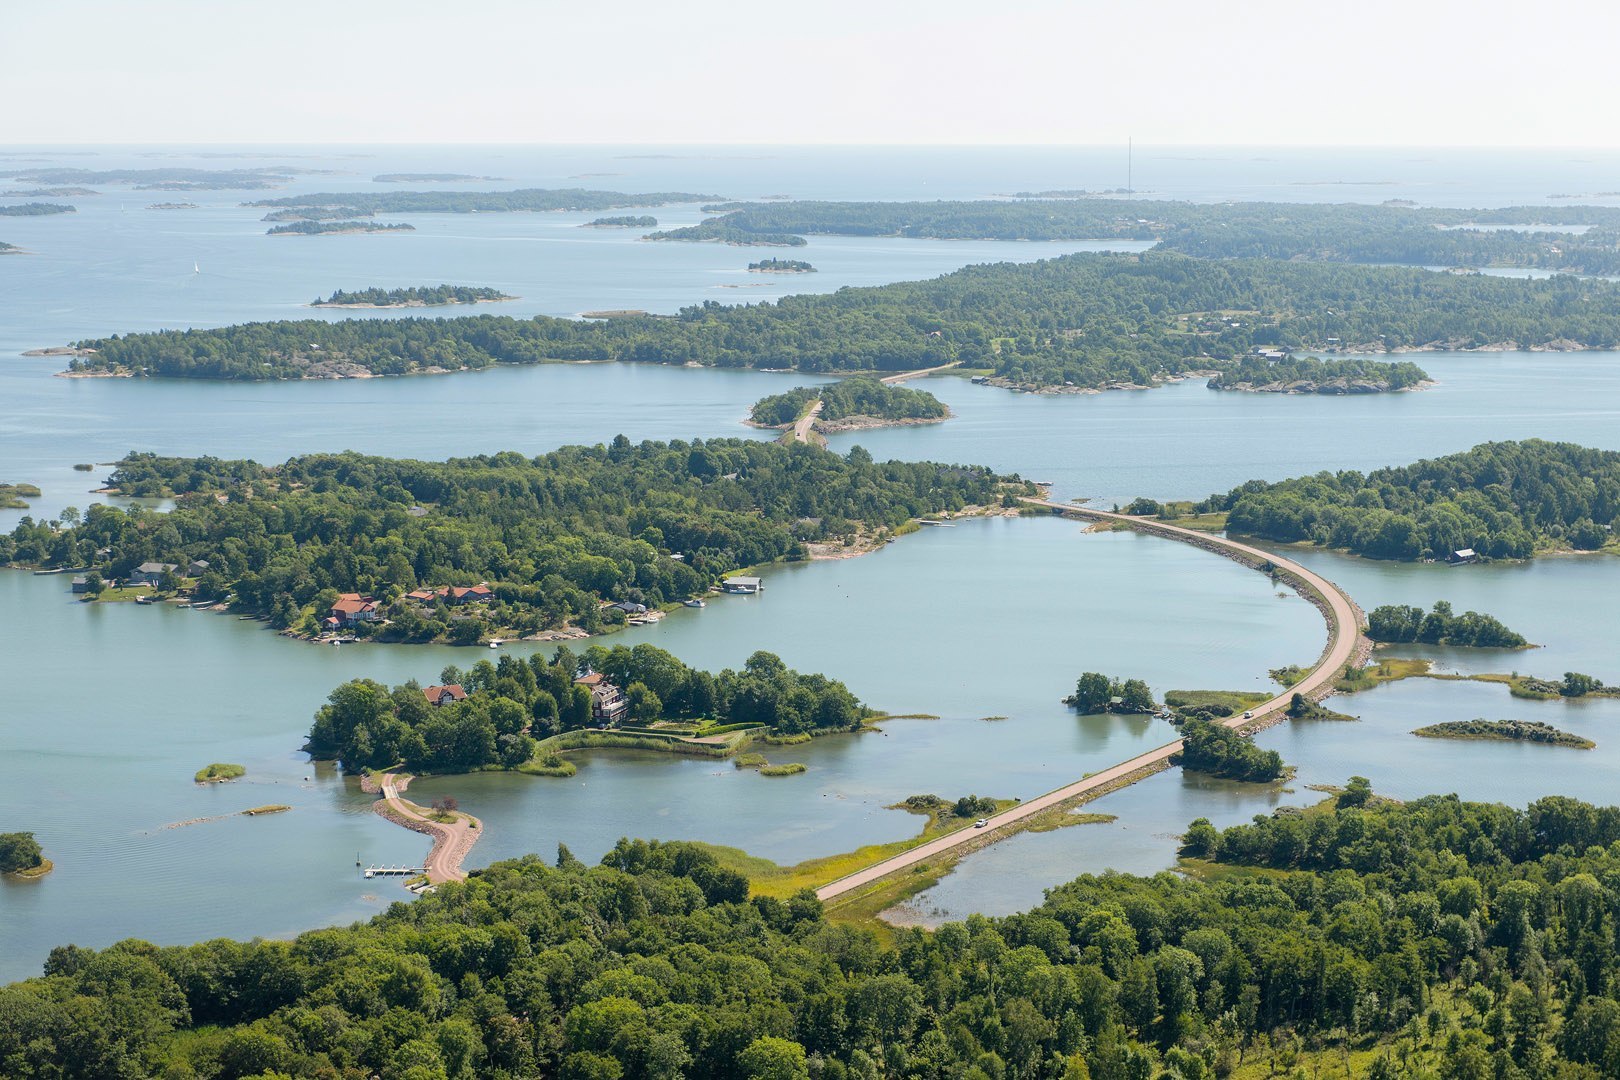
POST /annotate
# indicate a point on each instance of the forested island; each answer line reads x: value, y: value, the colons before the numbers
x: 1502, y: 500
x: 781, y: 266
x: 49, y: 193
x: 1534, y: 236
x: 1213, y: 748
x: 482, y: 202
x: 317, y: 213
x: 416, y: 296
x: 505, y: 715
x: 427, y: 178
x: 336, y: 228
x: 168, y: 179
x: 1308, y: 375
x: 1097, y: 693
x: 21, y: 854
x: 1078, y: 322
x: 36, y: 209
x: 623, y: 221
x: 1398, y: 624
x: 855, y: 402
x: 173, y: 206
x: 1431, y: 938
x: 1505, y: 731
x: 458, y: 550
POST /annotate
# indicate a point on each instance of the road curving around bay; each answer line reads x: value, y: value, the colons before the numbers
x: 1344, y: 646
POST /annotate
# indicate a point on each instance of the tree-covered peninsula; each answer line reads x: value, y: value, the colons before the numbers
x: 1435, y: 938
x: 858, y: 401
x: 1577, y: 239
x: 456, y: 550
x: 1505, y: 500
x: 1081, y: 321
x: 483, y: 202
x: 36, y: 209
x: 1309, y: 375
x: 508, y: 715
x: 336, y: 228
x: 416, y: 296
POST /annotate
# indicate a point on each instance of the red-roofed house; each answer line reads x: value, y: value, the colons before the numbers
x: 353, y: 608
x: 444, y: 695
x: 473, y: 594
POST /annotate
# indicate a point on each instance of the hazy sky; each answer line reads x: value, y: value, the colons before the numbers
x: 1252, y: 72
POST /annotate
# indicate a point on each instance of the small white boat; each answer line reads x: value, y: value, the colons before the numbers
x: 494, y: 644
x: 696, y: 603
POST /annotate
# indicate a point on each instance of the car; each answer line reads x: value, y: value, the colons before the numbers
x: 1248, y: 716
x: 981, y: 823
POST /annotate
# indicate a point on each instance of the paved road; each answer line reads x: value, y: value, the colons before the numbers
x: 802, y: 427
x: 450, y: 842
x: 1344, y: 628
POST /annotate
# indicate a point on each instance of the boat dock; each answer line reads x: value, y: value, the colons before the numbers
x: 394, y: 871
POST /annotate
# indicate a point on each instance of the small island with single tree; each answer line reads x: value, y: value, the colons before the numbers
x: 20, y: 855
x: 1505, y: 731
x: 623, y: 221
x: 336, y: 228
x: 781, y: 266
x: 416, y: 296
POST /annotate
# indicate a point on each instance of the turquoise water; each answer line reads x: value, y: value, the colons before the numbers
x: 112, y: 708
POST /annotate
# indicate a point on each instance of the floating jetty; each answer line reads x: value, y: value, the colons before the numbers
x: 394, y: 871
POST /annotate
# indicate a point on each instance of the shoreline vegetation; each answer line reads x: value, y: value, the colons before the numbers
x: 15, y: 496
x: 623, y: 221
x: 1531, y: 731
x: 415, y: 296
x: 336, y: 228
x: 781, y: 266
x: 219, y: 773
x: 1463, y: 905
x: 36, y: 209
x: 1121, y: 321
x: 481, y: 202
x: 1500, y: 500
x: 570, y: 543
x: 1574, y: 686
x: 522, y: 715
x: 1325, y: 232
x: 851, y: 404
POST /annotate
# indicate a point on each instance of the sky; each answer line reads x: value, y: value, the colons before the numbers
x: 1167, y: 72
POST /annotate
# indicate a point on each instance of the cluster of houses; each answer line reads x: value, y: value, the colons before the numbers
x: 352, y: 609
x: 608, y: 705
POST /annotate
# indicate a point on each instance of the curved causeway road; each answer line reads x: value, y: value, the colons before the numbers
x: 451, y: 842
x: 1344, y: 638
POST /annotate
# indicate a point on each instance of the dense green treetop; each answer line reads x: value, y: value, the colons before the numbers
x: 1214, y: 748
x: 420, y: 294
x: 510, y: 705
x: 19, y: 851
x: 484, y: 202
x: 857, y: 396
x: 1436, y: 939
x: 1503, y: 500
x: 1307, y: 374
x: 321, y: 228
x: 625, y: 221
x: 553, y: 535
x: 35, y: 209
x: 1398, y: 624
x: 1087, y: 320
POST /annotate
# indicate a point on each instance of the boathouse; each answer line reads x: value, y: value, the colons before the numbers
x: 742, y: 585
